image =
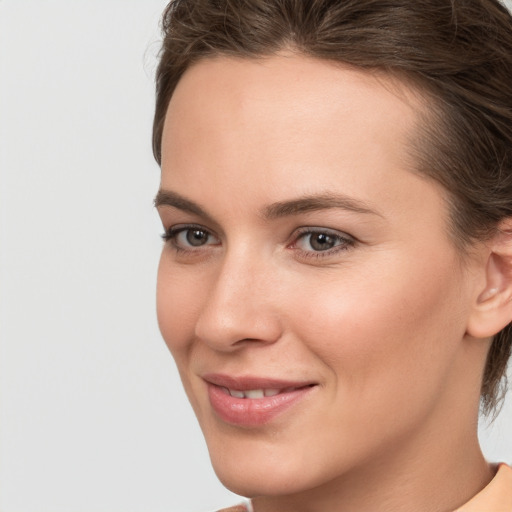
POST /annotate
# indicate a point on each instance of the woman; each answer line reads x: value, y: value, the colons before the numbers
x: 336, y: 281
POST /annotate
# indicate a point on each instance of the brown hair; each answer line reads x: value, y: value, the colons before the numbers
x: 457, y: 52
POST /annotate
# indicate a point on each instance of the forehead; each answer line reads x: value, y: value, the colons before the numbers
x: 295, y: 84
x: 248, y: 126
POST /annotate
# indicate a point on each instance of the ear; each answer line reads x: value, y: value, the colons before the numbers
x: 492, y: 310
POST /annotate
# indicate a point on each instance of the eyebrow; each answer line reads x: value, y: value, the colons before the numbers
x: 317, y: 202
x: 297, y: 206
x: 169, y: 198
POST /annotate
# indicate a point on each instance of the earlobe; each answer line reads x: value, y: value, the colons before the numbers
x: 493, y: 308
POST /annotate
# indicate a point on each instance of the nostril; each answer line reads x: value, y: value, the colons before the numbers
x: 246, y: 342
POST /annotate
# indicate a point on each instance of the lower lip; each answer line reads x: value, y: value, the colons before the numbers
x: 252, y: 412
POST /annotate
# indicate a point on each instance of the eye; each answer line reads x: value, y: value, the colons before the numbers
x: 318, y: 241
x: 189, y: 237
x: 321, y: 240
x: 192, y: 237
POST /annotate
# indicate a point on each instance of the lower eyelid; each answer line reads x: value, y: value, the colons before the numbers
x: 328, y: 254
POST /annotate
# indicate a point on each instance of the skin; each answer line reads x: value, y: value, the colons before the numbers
x: 379, y: 322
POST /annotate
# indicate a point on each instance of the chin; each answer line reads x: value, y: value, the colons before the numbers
x: 249, y: 481
x: 276, y: 473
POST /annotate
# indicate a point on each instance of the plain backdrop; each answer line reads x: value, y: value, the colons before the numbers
x: 92, y: 415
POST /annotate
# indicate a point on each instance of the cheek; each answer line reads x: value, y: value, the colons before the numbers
x: 175, y: 307
x: 178, y: 304
x: 374, y: 329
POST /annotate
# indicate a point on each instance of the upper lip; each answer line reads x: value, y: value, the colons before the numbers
x: 248, y: 382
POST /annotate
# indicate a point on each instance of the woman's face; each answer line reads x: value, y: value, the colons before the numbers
x: 308, y: 290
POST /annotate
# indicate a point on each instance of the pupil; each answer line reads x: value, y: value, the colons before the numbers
x: 196, y: 237
x: 322, y: 242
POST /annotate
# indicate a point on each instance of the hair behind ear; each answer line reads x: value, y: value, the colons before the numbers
x: 495, y: 304
x: 495, y: 383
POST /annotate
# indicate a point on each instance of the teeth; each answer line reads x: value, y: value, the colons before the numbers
x: 254, y: 393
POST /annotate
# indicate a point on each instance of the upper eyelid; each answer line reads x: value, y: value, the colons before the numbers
x: 176, y: 228
x: 173, y: 232
x: 169, y: 211
x: 296, y: 234
x: 330, y: 231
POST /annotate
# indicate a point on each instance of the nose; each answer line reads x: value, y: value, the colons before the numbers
x: 240, y: 308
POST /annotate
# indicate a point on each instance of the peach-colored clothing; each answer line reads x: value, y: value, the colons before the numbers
x: 496, y: 497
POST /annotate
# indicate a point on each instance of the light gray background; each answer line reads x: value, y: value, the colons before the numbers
x: 92, y: 413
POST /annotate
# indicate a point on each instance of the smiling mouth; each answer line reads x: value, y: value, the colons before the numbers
x: 252, y: 401
x: 260, y: 393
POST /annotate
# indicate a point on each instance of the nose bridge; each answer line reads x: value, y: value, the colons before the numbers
x: 239, y: 307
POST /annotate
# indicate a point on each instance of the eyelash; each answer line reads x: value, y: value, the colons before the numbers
x: 344, y: 242
x: 170, y: 235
